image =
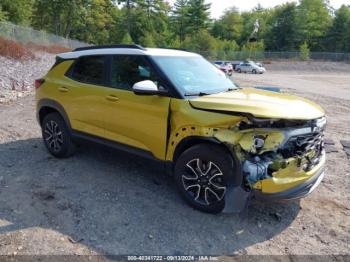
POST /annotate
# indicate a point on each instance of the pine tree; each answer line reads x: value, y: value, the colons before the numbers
x: 180, y: 18
x: 339, y: 34
x: 282, y: 31
x: 198, y: 15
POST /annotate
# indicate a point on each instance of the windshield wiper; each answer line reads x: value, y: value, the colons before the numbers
x: 196, y: 94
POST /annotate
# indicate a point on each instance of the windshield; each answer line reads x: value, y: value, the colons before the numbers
x: 193, y: 75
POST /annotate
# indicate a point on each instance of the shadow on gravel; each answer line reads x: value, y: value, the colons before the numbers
x: 115, y: 203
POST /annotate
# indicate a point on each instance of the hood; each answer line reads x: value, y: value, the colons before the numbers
x: 260, y: 103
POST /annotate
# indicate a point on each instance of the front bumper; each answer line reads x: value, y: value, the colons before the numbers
x: 296, y: 192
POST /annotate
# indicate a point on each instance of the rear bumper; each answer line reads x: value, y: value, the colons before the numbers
x: 297, y: 192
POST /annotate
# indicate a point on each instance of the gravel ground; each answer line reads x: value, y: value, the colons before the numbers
x: 102, y: 201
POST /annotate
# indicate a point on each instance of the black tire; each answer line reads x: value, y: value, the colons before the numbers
x: 56, y: 136
x: 216, y: 176
x: 254, y: 71
x: 239, y: 70
x: 229, y: 73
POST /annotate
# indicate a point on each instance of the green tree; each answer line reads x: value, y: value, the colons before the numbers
x: 304, y: 52
x: 98, y: 22
x: 127, y: 39
x: 197, y: 15
x: 226, y: 49
x: 60, y: 17
x: 17, y: 11
x: 202, y: 42
x: 147, y: 40
x: 128, y: 6
x: 313, y: 23
x: 179, y: 19
x: 282, y: 31
x: 248, y: 20
x: 174, y: 43
x: 338, y: 38
x: 229, y: 26
x: 156, y: 16
x: 3, y: 14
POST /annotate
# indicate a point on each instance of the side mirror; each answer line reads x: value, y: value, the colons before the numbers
x: 146, y: 87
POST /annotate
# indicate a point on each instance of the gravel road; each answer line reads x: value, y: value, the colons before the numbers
x: 102, y: 201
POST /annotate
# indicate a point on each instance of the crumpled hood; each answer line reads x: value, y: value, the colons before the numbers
x: 260, y: 103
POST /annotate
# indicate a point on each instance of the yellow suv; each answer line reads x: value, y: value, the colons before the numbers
x: 221, y: 142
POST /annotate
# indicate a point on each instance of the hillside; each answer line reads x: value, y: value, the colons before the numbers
x: 20, y: 65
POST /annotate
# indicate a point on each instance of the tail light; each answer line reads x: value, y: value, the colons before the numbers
x: 38, y: 83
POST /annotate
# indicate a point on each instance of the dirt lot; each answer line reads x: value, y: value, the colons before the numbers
x: 102, y: 201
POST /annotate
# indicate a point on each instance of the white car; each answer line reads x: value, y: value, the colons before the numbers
x: 250, y: 66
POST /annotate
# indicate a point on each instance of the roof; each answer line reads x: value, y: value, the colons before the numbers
x: 126, y: 51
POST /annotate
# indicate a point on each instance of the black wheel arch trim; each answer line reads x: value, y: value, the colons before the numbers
x: 49, y: 103
x: 187, y: 142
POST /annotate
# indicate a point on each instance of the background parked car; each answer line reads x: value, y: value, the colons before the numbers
x: 250, y: 66
x: 225, y: 67
x: 234, y: 64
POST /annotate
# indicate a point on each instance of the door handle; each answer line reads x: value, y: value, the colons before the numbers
x: 63, y: 89
x: 112, y: 98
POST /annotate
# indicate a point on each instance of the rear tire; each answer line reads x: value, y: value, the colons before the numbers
x: 56, y: 136
x: 201, y: 175
x: 239, y: 70
x: 254, y: 71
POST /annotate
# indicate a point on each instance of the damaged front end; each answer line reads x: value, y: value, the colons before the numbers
x: 280, y: 159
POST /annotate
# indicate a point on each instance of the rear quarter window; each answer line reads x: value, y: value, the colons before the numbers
x: 89, y: 69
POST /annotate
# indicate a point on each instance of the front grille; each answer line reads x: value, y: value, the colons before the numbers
x: 307, y: 146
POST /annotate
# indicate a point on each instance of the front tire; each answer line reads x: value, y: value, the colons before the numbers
x: 239, y: 70
x: 56, y: 136
x: 254, y: 71
x: 201, y: 175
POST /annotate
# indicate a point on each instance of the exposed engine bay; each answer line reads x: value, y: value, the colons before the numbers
x: 299, y: 143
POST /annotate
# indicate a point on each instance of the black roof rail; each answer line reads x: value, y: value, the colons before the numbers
x: 108, y: 46
x: 174, y: 48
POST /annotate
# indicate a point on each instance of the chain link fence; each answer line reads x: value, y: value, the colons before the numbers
x: 267, y: 55
x: 26, y: 35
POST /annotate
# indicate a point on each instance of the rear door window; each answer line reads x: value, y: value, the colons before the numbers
x: 90, y: 70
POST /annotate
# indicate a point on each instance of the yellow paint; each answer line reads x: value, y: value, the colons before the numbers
x: 273, y: 138
x: 261, y: 103
x: 288, y: 178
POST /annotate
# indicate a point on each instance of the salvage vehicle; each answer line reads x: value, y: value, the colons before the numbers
x: 223, y: 144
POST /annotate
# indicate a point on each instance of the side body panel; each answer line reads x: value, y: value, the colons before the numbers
x: 138, y: 121
x: 83, y: 103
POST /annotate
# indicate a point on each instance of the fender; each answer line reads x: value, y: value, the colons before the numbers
x: 49, y: 103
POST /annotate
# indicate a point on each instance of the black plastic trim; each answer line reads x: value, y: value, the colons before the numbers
x: 236, y: 179
x: 58, y: 61
x: 49, y: 103
x: 78, y: 135
x: 108, y: 46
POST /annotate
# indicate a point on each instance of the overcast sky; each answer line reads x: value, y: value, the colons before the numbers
x: 218, y: 6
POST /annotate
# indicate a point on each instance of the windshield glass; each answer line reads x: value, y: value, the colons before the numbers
x: 193, y: 75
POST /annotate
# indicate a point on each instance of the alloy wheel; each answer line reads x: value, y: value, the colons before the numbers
x: 53, y: 136
x: 203, y: 181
